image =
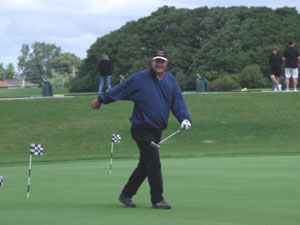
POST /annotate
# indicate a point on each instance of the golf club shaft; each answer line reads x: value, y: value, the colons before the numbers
x: 171, y: 135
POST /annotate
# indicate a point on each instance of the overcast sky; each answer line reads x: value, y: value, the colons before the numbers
x: 74, y: 25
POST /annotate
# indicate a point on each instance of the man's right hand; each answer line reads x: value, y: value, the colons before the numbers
x: 95, y: 104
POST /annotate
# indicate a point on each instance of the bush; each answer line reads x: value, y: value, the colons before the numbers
x: 186, y: 83
x: 87, y: 83
x: 225, y: 83
x: 59, y: 80
x: 252, y: 77
x: 214, y: 75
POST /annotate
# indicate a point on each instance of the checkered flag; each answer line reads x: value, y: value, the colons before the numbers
x: 1, y: 180
x: 116, y: 138
x: 36, y: 149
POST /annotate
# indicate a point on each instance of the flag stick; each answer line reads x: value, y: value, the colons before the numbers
x: 29, y: 172
x: 1, y: 181
x: 111, y: 157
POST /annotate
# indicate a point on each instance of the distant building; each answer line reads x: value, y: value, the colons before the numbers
x: 4, y: 84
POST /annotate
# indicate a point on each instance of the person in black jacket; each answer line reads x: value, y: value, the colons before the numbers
x: 105, y: 72
x: 275, y: 63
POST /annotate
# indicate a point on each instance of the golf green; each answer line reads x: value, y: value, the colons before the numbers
x: 218, y: 190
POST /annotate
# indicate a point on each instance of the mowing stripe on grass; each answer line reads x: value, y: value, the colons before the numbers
x: 205, y: 191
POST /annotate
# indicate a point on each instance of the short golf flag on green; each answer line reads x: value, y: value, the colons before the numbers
x: 1, y: 181
x: 116, y: 138
x: 35, y: 149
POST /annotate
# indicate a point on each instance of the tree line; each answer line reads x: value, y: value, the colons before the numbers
x: 8, y: 72
x: 41, y: 61
x: 230, y: 47
x: 224, y: 45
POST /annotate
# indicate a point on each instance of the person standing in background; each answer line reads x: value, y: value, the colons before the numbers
x: 105, y: 72
x: 291, y: 59
x: 275, y: 63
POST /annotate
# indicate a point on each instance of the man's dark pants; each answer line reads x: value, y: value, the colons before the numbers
x: 149, y: 164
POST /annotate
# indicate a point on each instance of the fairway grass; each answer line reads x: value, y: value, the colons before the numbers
x: 202, y: 191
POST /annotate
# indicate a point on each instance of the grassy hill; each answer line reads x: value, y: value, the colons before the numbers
x: 223, y: 125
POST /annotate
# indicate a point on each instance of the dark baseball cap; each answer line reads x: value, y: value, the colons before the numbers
x: 160, y: 54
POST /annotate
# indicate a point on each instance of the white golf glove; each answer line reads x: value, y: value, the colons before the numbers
x: 185, y: 124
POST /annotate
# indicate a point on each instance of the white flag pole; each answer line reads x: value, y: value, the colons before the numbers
x: 29, y: 173
x: 1, y: 181
x: 111, y: 157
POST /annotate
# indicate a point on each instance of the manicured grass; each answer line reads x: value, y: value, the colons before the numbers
x: 259, y: 188
x: 202, y: 191
x: 37, y: 92
x: 223, y: 124
x: 28, y: 92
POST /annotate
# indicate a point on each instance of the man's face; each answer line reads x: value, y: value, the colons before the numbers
x: 159, y: 65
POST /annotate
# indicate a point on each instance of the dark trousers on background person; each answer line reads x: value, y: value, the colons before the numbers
x: 149, y: 165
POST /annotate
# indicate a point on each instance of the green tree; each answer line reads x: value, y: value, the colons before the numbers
x: 10, y: 72
x: 64, y: 67
x: 202, y: 40
x: 2, y: 71
x: 65, y: 63
x: 34, y: 62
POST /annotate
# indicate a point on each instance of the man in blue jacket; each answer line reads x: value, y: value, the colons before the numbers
x: 155, y: 93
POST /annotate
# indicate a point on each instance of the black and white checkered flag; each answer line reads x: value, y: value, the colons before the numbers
x: 36, y: 149
x: 1, y: 180
x: 116, y: 138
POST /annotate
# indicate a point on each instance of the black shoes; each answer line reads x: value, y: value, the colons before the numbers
x: 161, y: 205
x: 126, y: 201
x: 129, y: 204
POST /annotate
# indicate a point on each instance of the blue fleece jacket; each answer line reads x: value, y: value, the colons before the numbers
x: 153, y: 99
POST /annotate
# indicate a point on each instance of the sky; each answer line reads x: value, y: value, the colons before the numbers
x: 74, y: 25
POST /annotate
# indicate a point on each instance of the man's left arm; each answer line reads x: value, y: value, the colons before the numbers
x: 179, y: 109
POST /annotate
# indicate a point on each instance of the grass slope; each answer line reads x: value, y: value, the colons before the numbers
x: 202, y: 191
x: 223, y: 124
x: 28, y: 92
